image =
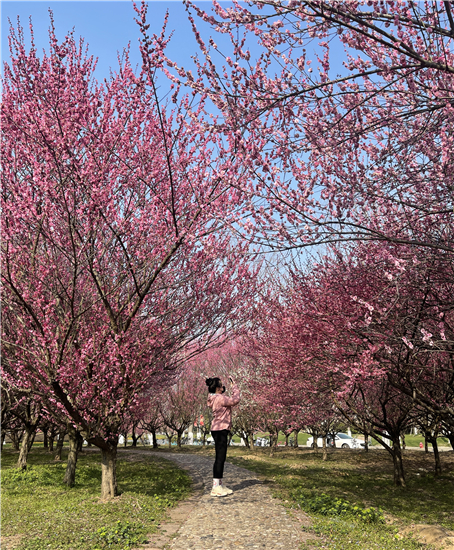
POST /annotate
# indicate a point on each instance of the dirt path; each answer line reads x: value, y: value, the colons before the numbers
x: 249, y: 518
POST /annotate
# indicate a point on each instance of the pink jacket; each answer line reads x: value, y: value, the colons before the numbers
x: 222, y: 409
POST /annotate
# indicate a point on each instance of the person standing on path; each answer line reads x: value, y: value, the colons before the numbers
x: 220, y: 428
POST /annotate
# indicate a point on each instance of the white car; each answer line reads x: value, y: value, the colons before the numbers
x: 342, y: 441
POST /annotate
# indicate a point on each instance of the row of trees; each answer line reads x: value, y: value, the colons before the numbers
x: 130, y: 224
x: 117, y: 261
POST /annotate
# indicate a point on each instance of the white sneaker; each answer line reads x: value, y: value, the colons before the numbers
x: 229, y: 491
x: 219, y: 491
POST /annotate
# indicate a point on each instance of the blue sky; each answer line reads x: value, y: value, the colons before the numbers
x: 107, y: 26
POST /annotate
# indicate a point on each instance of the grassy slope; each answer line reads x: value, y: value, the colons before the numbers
x: 41, y: 512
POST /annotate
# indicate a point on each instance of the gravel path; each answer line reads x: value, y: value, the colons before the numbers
x: 249, y: 518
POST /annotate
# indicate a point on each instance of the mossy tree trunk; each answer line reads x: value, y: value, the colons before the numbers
x: 73, y: 454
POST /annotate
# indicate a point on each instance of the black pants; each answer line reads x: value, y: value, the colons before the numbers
x: 220, y: 445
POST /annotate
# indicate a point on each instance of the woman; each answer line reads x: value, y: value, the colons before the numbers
x: 220, y: 428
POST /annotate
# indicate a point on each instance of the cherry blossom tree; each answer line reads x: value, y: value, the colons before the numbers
x: 116, y: 253
x: 358, y: 151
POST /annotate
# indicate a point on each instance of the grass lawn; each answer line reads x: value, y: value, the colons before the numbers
x: 329, y: 491
x: 39, y: 512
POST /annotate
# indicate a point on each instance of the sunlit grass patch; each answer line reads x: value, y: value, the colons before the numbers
x: 351, y: 497
x: 37, y: 505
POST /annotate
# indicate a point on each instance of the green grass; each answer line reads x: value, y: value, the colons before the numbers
x: 350, y: 479
x: 49, y: 515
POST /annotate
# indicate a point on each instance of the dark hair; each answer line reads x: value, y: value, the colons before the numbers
x: 214, y: 383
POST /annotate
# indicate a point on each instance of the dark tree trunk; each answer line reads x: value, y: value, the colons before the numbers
x: 286, y: 439
x: 155, y: 441
x: 16, y: 438
x: 426, y: 445
x: 32, y: 439
x: 2, y: 439
x: 73, y: 454
x: 61, y: 439
x: 404, y: 446
x: 179, y: 434
x: 46, y: 440
x: 109, y: 472
x: 399, y: 475
x: 134, y: 436
x: 51, y: 443
x: 437, y: 458
x: 366, y: 442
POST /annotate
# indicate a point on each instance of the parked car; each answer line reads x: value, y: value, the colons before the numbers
x: 262, y: 442
x: 339, y: 440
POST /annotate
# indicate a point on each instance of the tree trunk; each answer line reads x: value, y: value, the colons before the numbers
x: 426, y: 445
x: 273, y: 442
x: 155, y: 441
x: 2, y: 439
x: 61, y: 439
x: 404, y: 446
x: 436, y: 456
x: 134, y: 436
x: 325, y: 450
x: 179, y: 434
x: 32, y: 439
x: 295, y: 438
x: 51, y: 443
x: 24, y: 449
x: 74, y: 439
x: 109, y: 472
x: 366, y: 442
x: 16, y: 437
x: 396, y: 452
x: 46, y: 440
x: 286, y: 439
x: 170, y: 441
